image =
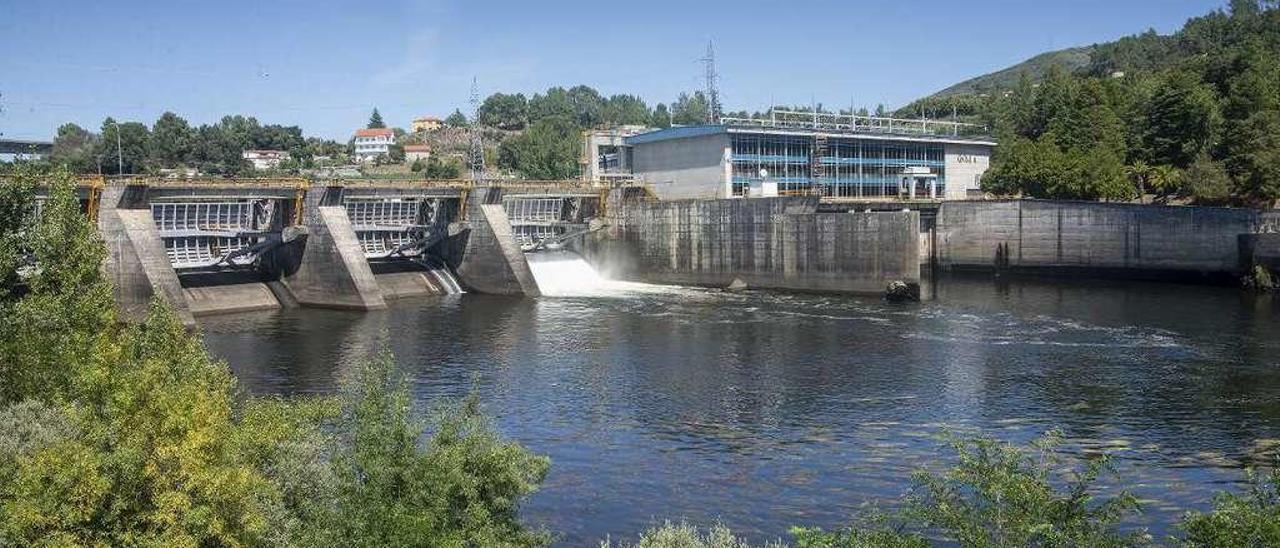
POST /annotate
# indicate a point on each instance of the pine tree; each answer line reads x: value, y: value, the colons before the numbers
x: 375, y: 120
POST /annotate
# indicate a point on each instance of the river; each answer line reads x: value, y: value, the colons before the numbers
x: 765, y: 410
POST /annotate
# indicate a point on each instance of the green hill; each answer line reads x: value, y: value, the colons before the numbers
x: 1070, y: 60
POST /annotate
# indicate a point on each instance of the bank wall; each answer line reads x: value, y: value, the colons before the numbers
x: 1068, y: 236
x: 777, y: 243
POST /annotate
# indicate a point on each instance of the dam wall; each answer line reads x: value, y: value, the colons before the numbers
x: 1128, y: 240
x: 772, y: 243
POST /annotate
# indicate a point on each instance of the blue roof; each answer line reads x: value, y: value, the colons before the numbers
x: 682, y: 132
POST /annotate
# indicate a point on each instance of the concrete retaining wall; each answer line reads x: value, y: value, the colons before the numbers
x: 1121, y: 238
x: 778, y: 243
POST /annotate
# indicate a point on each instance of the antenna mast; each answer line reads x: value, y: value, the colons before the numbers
x: 477, y: 140
x: 712, y: 91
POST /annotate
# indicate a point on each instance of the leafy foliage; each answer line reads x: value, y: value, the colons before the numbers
x: 114, y: 435
x: 1249, y: 519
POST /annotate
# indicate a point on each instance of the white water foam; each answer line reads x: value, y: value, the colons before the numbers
x: 566, y: 274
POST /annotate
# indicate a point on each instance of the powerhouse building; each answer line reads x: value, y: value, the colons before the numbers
x: 793, y: 153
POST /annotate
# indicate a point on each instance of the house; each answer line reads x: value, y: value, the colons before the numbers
x: 265, y: 159
x: 413, y: 153
x: 425, y: 123
x: 372, y: 143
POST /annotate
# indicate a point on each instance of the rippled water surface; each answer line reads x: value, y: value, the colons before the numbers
x: 767, y: 410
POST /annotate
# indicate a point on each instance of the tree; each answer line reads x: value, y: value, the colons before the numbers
x: 547, y: 150
x: 395, y: 153
x: 1206, y: 182
x: 509, y: 112
x: 625, y: 110
x: 463, y: 489
x: 172, y: 140
x: 375, y: 120
x: 1252, y: 137
x: 1179, y: 122
x: 690, y: 109
x: 555, y: 103
x: 661, y: 116
x: 457, y: 119
x: 133, y: 147
x: 75, y: 148
x: 588, y: 106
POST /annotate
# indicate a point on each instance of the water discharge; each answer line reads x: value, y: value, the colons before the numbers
x: 567, y: 274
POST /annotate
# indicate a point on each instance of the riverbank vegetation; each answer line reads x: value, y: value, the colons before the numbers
x: 115, y: 434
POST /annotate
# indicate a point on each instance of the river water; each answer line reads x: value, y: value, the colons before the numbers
x: 766, y: 410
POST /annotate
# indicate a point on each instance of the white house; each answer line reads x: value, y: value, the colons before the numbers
x: 371, y: 143
x: 413, y: 153
x: 265, y: 159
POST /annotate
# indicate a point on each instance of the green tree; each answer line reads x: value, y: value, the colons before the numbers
x: 463, y: 489
x: 133, y: 146
x: 75, y: 148
x: 172, y: 140
x: 588, y: 106
x: 1180, y: 120
x: 503, y: 111
x: 457, y: 119
x: 1252, y: 137
x: 690, y: 110
x: 1206, y: 182
x: 375, y: 120
x: 625, y: 110
x: 661, y: 116
x: 547, y: 150
x: 555, y: 103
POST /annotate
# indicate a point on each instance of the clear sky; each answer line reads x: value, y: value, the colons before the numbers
x: 323, y: 65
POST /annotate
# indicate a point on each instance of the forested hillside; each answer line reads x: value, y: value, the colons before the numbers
x: 1193, y: 116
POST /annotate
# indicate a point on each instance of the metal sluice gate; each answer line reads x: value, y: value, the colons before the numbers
x: 208, y: 234
x: 537, y: 219
x: 388, y: 228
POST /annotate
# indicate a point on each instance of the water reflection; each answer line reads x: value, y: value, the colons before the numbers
x: 766, y: 410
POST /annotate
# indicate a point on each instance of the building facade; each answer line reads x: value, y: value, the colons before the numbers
x: 265, y: 159
x: 833, y: 156
x: 425, y: 123
x: 413, y: 153
x: 372, y: 143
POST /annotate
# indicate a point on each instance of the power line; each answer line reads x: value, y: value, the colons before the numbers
x: 712, y: 90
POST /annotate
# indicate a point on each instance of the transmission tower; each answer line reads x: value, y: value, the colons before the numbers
x: 477, y: 140
x: 712, y: 91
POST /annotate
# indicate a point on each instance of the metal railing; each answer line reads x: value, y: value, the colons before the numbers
x: 856, y: 123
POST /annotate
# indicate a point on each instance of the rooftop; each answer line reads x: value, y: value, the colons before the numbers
x: 374, y: 132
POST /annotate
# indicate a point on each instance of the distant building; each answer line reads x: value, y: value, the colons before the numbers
x: 794, y: 153
x: 425, y: 123
x: 371, y: 143
x: 265, y: 159
x: 413, y: 153
x: 606, y: 156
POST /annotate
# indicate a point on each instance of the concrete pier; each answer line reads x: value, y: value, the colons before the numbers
x: 136, y: 261
x: 334, y: 272
x: 490, y: 261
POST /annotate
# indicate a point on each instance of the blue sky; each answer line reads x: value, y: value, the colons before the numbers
x: 324, y: 65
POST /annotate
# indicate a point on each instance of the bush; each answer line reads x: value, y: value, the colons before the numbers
x: 683, y: 535
x: 1251, y: 519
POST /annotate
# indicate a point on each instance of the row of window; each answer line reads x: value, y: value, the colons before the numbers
x: 836, y: 167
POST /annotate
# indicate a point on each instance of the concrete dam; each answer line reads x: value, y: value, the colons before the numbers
x: 215, y: 245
